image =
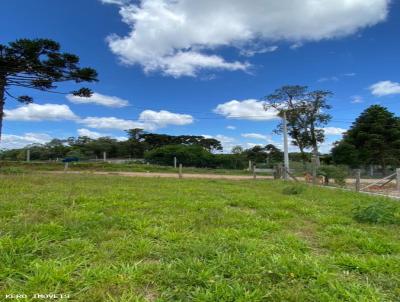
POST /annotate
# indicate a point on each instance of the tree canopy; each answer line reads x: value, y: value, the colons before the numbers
x: 374, y: 138
x: 38, y: 64
x: 305, y: 114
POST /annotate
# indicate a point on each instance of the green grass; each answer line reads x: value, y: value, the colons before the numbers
x: 110, y: 238
x: 112, y: 167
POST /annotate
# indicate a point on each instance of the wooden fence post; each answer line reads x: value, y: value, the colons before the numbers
x: 358, y: 180
x: 398, y: 179
x: 254, y: 172
x: 180, y: 171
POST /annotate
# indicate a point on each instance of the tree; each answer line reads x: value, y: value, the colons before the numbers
x: 237, y: 150
x: 374, y: 138
x: 305, y: 115
x: 38, y: 64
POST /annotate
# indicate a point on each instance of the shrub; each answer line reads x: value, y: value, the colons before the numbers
x: 337, y: 173
x: 193, y: 156
x: 377, y: 212
x: 293, y: 190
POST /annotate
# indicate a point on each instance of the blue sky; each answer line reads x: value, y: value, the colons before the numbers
x: 167, y: 66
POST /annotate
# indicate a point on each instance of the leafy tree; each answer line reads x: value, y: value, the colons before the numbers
x: 237, y: 150
x: 38, y: 64
x: 374, y: 138
x: 305, y: 115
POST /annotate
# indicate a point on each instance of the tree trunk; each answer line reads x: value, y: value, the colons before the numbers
x: 2, y: 101
x: 316, y: 155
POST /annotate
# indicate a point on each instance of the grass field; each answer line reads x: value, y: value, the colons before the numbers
x: 110, y: 238
x: 110, y: 167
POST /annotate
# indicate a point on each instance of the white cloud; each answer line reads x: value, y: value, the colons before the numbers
x: 118, y: 2
x: 356, y: 99
x: 385, y: 88
x: 148, y: 120
x: 231, y: 127
x: 296, y: 45
x: 110, y: 123
x: 350, y: 74
x: 334, y: 130
x: 10, y: 141
x: 245, y: 110
x: 178, y: 37
x: 99, y: 99
x: 163, y: 118
x: 328, y: 79
x: 256, y: 136
x: 37, y: 112
x: 253, y: 51
x: 89, y: 133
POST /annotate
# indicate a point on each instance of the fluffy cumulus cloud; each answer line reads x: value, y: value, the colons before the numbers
x: 384, y: 88
x: 89, y: 133
x: 109, y: 123
x: 99, y: 99
x: 245, y: 110
x: 163, y: 118
x: 148, y: 120
x: 181, y: 37
x: 37, y: 112
x: 10, y: 141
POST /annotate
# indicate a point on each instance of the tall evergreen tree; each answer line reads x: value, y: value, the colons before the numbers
x: 38, y: 64
x: 374, y: 138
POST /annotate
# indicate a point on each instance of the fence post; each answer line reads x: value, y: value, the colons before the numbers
x: 314, y: 170
x: 65, y: 166
x: 28, y: 155
x: 358, y: 180
x: 398, y: 179
x: 250, y: 166
x: 180, y: 171
x: 175, y: 162
x: 104, y: 156
x: 254, y: 172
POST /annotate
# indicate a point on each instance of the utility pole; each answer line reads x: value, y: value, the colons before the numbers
x: 285, y: 146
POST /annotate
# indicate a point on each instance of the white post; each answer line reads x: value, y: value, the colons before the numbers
x: 175, y: 162
x: 66, y: 166
x: 104, y: 156
x: 180, y: 171
x: 250, y: 166
x: 398, y: 179
x: 286, y: 146
x: 254, y: 172
x: 28, y: 155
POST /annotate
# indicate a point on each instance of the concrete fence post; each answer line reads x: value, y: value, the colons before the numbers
x: 175, y: 162
x: 254, y: 172
x: 104, y: 156
x: 65, y: 166
x: 398, y: 179
x: 358, y: 180
x: 250, y: 165
x: 180, y: 171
